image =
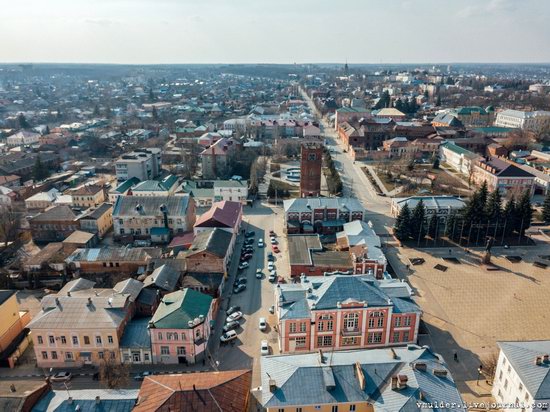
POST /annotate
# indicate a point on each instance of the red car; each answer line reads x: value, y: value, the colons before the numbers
x: 275, y: 248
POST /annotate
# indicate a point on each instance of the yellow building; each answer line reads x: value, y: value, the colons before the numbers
x: 369, y: 380
x: 98, y: 219
x: 88, y: 196
x: 12, y: 328
x: 81, y: 325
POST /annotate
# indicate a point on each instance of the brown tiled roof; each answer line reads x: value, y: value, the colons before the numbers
x: 199, y: 392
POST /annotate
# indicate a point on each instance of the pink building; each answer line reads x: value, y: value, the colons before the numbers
x: 181, y: 326
x: 345, y: 312
x: 499, y: 174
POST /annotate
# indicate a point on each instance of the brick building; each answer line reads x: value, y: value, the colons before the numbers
x: 307, y: 256
x: 130, y: 261
x: 310, y: 165
x: 54, y: 224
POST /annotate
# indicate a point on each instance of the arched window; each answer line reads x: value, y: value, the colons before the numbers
x: 351, y: 320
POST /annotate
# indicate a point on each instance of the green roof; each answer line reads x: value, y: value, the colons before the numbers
x: 469, y: 110
x: 457, y: 149
x: 127, y: 184
x: 494, y: 129
x: 351, y: 110
x: 178, y: 308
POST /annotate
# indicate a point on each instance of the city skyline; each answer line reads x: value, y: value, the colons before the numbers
x: 284, y: 32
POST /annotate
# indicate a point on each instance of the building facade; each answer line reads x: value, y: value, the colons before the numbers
x: 88, y: 196
x: 144, y: 164
x: 310, y: 167
x: 503, y: 176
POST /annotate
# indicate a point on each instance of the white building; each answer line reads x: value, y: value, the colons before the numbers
x: 533, y: 121
x: 457, y: 157
x: 522, y: 376
x: 443, y: 206
x: 231, y: 190
x: 23, y: 137
x: 42, y: 200
x: 145, y: 164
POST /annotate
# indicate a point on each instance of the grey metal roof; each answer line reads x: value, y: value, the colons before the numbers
x: 130, y: 287
x: 308, y: 204
x: 164, y: 277
x: 112, y: 253
x: 293, y: 373
x: 522, y: 355
x: 136, y: 334
x: 176, y: 205
x: 215, y: 241
x: 336, y: 289
x: 112, y: 400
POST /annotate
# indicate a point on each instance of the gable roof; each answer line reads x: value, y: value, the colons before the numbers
x: 215, y: 241
x: 164, y: 277
x: 60, y: 212
x: 521, y: 355
x: 221, y: 214
x: 179, y: 308
x: 505, y: 169
x: 151, y: 205
x: 200, y: 392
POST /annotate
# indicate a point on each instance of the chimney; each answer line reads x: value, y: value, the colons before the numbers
x: 322, y: 358
x: 394, y: 382
x: 538, y: 360
x: 420, y: 366
x: 57, y: 301
x: 89, y: 301
x: 545, y: 358
x: 69, y: 293
x: 272, y: 385
x: 402, y: 381
x: 421, y: 395
x: 70, y: 400
x: 393, y: 354
x: 97, y: 400
x: 12, y: 388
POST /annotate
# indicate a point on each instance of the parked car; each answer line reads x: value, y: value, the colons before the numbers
x: 275, y: 249
x: 245, y: 258
x: 272, y: 233
x: 250, y: 234
x: 243, y: 265
x: 261, y: 243
x: 272, y: 278
x: 241, y: 281
x: 248, y: 241
x: 234, y: 316
x: 270, y: 257
x: 61, y: 377
x: 239, y: 288
x: 231, y: 326
x: 262, y: 324
x: 228, y: 336
x: 259, y: 274
x: 232, y: 310
x: 264, y: 348
x: 142, y: 375
x: 273, y: 241
x: 272, y: 309
x: 273, y: 273
x: 270, y: 265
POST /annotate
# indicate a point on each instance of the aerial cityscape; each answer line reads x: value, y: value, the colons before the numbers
x: 263, y: 207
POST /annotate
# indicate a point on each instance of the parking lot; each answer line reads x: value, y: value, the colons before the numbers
x: 256, y: 299
x: 467, y: 308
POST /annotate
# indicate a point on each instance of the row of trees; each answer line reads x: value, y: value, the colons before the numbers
x: 483, y: 216
x: 406, y: 105
x: 334, y: 181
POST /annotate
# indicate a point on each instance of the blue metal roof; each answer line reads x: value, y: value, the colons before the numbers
x: 136, y: 334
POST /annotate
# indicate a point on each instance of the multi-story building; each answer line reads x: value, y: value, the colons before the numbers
x: 231, y: 190
x: 224, y: 215
x: 347, y: 114
x: 122, y: 189
x: 97, y: 219
x: 473, y: 116
x: 88, y: 196
x: 377, y: 380
x: 344, y: 312
x: 522, y: 379
x: 442, y: 206
x: 13, y: 332
x: 532, y: 121
x: 180, y: 327
x: 210, y: 252
x: 145, y: 164
x: 80, y: 325
x: 306, y: 255
x: 214, y: 159
x: 157, y: 218
x: 163, y: 187
x: 506, y: 177
x: 135, y: 344
x: 325, y: 215
x: 122, y: 260
x: 42, y: 200
x: 23, y: 138
x: 310, y: 167
x: 460, y: 159
x: 54, y: 224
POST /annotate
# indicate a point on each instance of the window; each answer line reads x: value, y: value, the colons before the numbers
x: 100, y: 355
x: 380, y: 322
x: 113, y: 355
x: 397, y: 322
x: 98, y: 340
x: 500, y: 376
x: 181, y: 350
x: 351, y: 320
x: 375, y: 337
x: 300, y: 342
x: 146, y: 357
x: 520, y: 387
x: 303, y: 327
x: 320, y: 326
x: 334, y: 408
x: 526, y: 397
x: 44, y: 355
x: 164, y: 350
x: 396, y: 336
x: 51, y: 339
x: 69, y: 356
x: 75, y: 340
x: 298, y: 409
x: 160, y: 335
x: 324, y: 341
x: 329, y: 325
x: 54, y: 355
x: 110, y: 339
x: 63, y: 340
x: 168, y: 336
x: 349, y: 341
x: 500, y: 393
x: 509, y: 368
x: 371, y: 323
x: 407, y: 321
x: 292, y: 327
x: 39, y: 340
x: 352, y: 408
x: 86, y: 340
x: 406, y: 336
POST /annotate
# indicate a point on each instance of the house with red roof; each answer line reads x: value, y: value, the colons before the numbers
x: 225, y: 215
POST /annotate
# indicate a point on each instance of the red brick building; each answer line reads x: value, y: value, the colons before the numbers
x: 310, y: 165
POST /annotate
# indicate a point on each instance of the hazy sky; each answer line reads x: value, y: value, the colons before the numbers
x: 274, y: 31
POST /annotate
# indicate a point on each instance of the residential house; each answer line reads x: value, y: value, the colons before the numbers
x: 22, y: 395
x: 122, y: 189
x: 143, y: 164
x: 54, y: 224
x: 180, y: 327
x: 346, y: 114
x: 210, y: 252
x: 321, y: 215
x: 7, y: 196
x: 389, y: 113
x: 506, y: 177
x: 473, y: 116
x: 378, y: 380
x: 80, y: 325
x: 79, y: 239
x: 344, y: 312
x: 445, y: 119
x: 13, y: 332
x: 157, y: 218
x: 215, y: 159
x: 163, y: 187
x: 227, y: 391
x: 398, y: 147
x: 42, y: 200
x: 88, y: 196
x: 10, y: 181
x: 164, y: 279
x: 231, y: 190
x: 135, y: 345
x: 522, y: 376
x: 63, y: 400
x: 225, y: 215
x: 97, y: 220
x: 23, y: 138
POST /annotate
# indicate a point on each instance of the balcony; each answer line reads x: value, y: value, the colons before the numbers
x: 351, y: 332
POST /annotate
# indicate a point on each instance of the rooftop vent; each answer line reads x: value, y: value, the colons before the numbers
x: 442, y: 373
x: 272, y: 385
x: 538, y: 360
x: 420, y: 366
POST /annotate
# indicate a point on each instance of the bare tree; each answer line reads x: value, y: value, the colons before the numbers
x: 112, y: 374
x: 10, y: 223
x: 489, y: 364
